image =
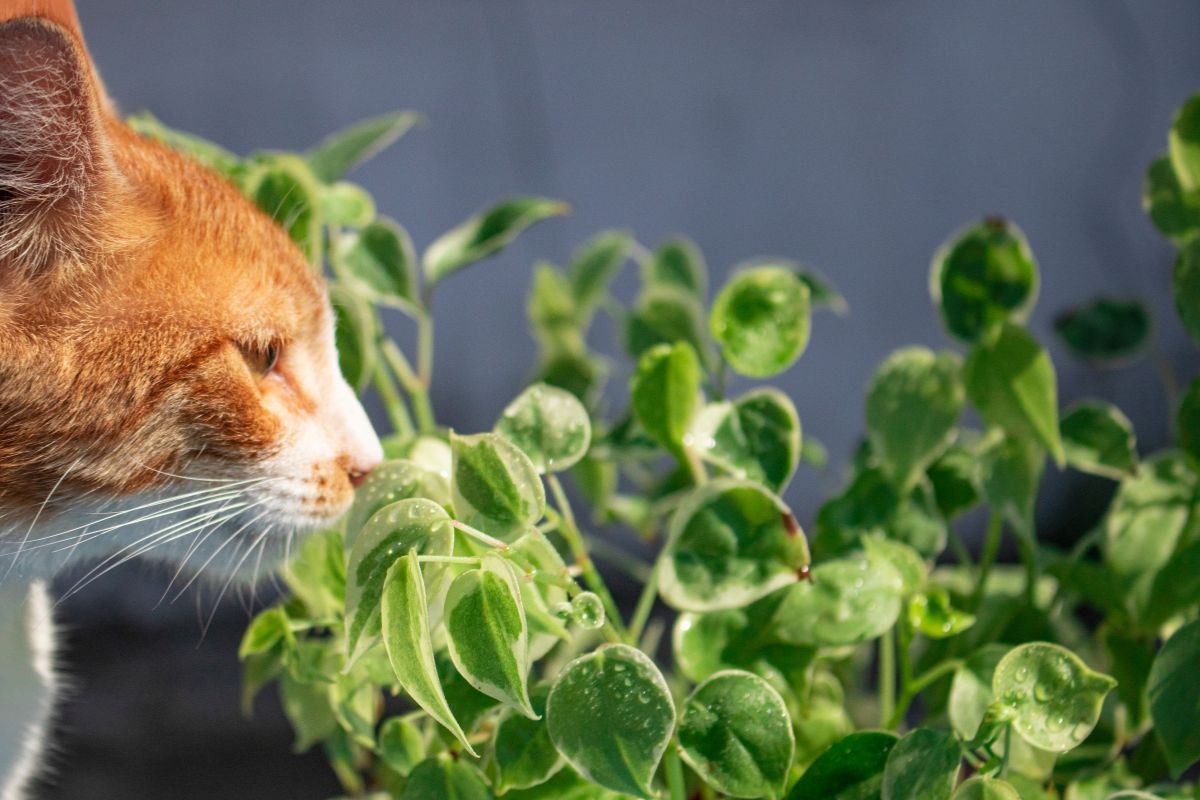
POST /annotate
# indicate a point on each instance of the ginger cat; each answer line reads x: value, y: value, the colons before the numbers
x: 169, y: 385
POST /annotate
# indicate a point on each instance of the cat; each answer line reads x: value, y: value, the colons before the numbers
x: 169, y: 384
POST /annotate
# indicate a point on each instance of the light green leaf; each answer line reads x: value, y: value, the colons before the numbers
x: 553, y: 313
x: 923, y: 764
x: 356, y: 702
x: 665, y: 390
x: 485, y: 234
x: 665, y: 314
x: 317, y: 574
x: 309, y: 708
x: 1185, y: 286
x: 980, y: 788
x: 388, y: 483
x: 550, y: 426
x: 736, y: 733
x: 210, y: 155
x: 847, y: 601
x: 409, y: 646
x: 932, y: 614
x: 1187, y: 422
x: 761, y: 320
x: 1175, y: 213
x: 287, y: 192
x: 982, y: 276
x: 851, y: 769
x: 415, y: 525
x: 496, y: 487
x: 380, y: 259
x: 1183, y: 144
x: 343, y: 151
x: 401, y: 744
x: 739, y: 638
x: 522, y: 753
x: 357, y: 327
x: 913, y: 405
x: 677, y: 262
x: 1011, y: 469
x: 909, y: 564
x: 537, y: 554
x: 345, y: 204
x: 611, y: 716
x: 443, y: 778
x: 594, y: 265
x: 1054, y: 697
x: 729, y: 543
x: 1010, y: 380
x: 266, y: 630
x: 971, y: 690
x: 756, y: 436
x: 1098, y: 438
x: 1106, y: 330
x: 1175, y: 697
x: 487, y: 634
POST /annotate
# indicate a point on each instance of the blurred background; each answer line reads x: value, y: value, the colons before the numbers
x: 851, y: 136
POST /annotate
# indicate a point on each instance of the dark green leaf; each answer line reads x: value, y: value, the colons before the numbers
x: 1187, y: 422
x: 343, y: 151
x: 495, y: 486
x: 761, y: 319
x: 594, y: 265
x: 665, y: 315
x: 923, y: 764
x: 485, y: 234
x: 756, y: 436
x: 821, y: 292
x: 443, y: 778
x: 851, y: 769
x: 1175, y: 697
x: 1098, y: 438
x: 522, y: 753
x: 1175, y: 213
x: 288, y: 193
x: 955, y: 480
x: 380, y: 258
x: 1105, y: 330
x: 1186, y: 287
x: 1011, y: 470
x: 677, y: 262
x: 356, y: 331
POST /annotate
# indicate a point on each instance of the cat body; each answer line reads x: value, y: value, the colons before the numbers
x: 169, y: 386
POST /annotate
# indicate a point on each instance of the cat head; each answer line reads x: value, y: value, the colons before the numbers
x: 169, y: 383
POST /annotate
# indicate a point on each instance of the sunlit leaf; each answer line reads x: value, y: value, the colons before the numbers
x: 550, y: 426
x: 388, y: 483
x: 761, y: 319
x: 847, y: 601
x: 496, y: 487
x: 1175, y: 213
x: 665, y: 392
x: 485, y: 234
x: 1183, y: 144
x: 341, y: 152
x: 756, y: 436
x: 1098, y: 438
x: 932, y: 614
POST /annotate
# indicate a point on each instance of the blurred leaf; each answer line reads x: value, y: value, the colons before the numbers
x: 309, y: 708
x: 442, y: 778
x: 1098, y: 438
x: 847, y: 601
x: 522, y: 753
x: 401, y: 744
x: 1186, y: 287
x: 932, y: 614
x: 981, y: 788
x: 1175, y: 697
x: 756, y: 436
x: 595, y: 264
x: 1105, y: 330
x: 485, y: 234
x: 822, y: 293
x: 210, y: 155
x: 288, y: 193
x: 923, y: 764
x: 851, y: 769
x: 357, y: 327
x: 761, y: 319
x: 665, y: 391
x: 665, y: 315
x: 677, y: 262
x: 549, y: 425
x: 1183, y: 144
x: 341, y: 152
x: 1187, y: 422
x: 955, y: 480
x: 1175, y: 213
x: 553, y: 312
x: 346, y: 204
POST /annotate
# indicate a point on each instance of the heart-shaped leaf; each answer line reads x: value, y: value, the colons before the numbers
x: 485, y: 234
x: 495, y: 486
x: 757, y: 437
x: 391, y: 482
x: 1098, y: 438
x: 550, y: 426
x: 487, y: 635
x: 611, y: 716
x: 761, y: 319
x: 847, y: 601
x: 677, y: 262
x: 1053, y: 695
x: 415, y: 525
x: 1106, y: 330
x: 913, y: 406
x: 729, y: 543
x: 409, y: 646
x: 923, y: 764
x: 851, y: 769
x: 345, y: 204
x: 665, y: 391
x: 932, y: 614
x: 736, y: 733
x: 1175, y: 697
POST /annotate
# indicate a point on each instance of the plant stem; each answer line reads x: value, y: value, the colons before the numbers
x: 920, y: 684
x: 475, y: 533
x: 694, y: 465
x: 397, y: 411
x: 887, y: 677
x: 569, y: 530
x: 645, y: 604
x: 674, y: 769
x: 425, y: 349
x: 1033, y: 567
x: 418, y: 389
x: 991, y: 547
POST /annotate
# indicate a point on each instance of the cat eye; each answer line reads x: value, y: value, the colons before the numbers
x: 261, y: 359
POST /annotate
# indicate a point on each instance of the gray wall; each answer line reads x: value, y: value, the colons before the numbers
x: 854, y: 136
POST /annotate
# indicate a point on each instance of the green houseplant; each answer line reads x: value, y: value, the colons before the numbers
x: 454, y: 638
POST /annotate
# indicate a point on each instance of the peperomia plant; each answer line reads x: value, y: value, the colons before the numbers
x: 453, y: 638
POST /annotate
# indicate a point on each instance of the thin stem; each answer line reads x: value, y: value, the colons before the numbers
x: 991, y: 547
x: 1033, y: 567
x: 425, y: 348
x: 475, y: 533
x: 887, y: 677
x: 920, y: 684
x: 569, y: 530
x: 674, y: 769
x: 695, y: 465
x: 904, y: 635
x: 645, y: 604
x: 397, y: 411
x: 418, y: 389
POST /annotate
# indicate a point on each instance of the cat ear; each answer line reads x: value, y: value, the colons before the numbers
x: 54, y: 157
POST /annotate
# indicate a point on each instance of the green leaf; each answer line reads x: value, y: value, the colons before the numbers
x: 391, y: 482
x: 409, y: 646
x: 578, y: 373
x: 912, y: 568
x: 210, y: 155
x: 821, y: 292
x: 761, y: 320
x: 288, y: 193
x: 553, y: 313
x: 1011, y: 469
x: 317, y: 574
x: 665, y: 390
x: 1186, y: 287
x: 487, y: 634
x: 1183, y: 144
x: 1187, y: 422
x: 611, y: 716
x: 522, y: 753
x: 266, y: 630
x: 309, y: 708
x: 913, y: 405
x: 1098, y: 438
x: 1175, y: 213
x: 980, y: 788
x: 869, y: 503
x: 848, y: 601
x: 443, y: 778
x: 550, y: 426
x: 537, y: 554
x: 971, y: 690
x: 756, y: 437
x: 983, y: 276
x: 923, y: 764
x: 1106, y: 330
x: 851, y: 769
x: 738, y: 638
x: 496, y: 487
x: 485, y: 234
x: 729, y: 543
x: 345, y: 204
x: 343, y: 151
x: 257, y: 672
x: 665, y: 314
x: 416, y: 526
x: 1054, y: 697
x: 736, y: 733
x: 380, y: 259
x: 357, y: 327
x: 595, y: 264
x: 932, y: 614
x: 401, y: 744
x: 955, y: 480
x: 677, y: 262
x: 1010, y: 380
x: 356, y: 701
x: 1175, y: 697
